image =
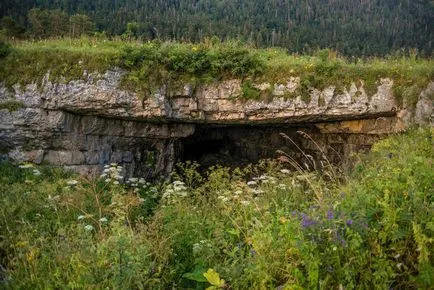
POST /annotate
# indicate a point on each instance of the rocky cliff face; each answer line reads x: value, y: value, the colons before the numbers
x: 85, y: 124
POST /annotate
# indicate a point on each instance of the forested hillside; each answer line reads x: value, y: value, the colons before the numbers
x: 353, y: 27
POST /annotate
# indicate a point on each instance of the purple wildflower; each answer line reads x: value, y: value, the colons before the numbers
x: 330, y: 215
x: 307, y: 221
x: 340, y: 239
x: 349, y: 222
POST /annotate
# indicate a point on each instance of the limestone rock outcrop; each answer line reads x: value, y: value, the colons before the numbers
x: 85, y: 124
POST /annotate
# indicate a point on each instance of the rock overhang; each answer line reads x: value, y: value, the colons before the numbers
x: 99, y: 110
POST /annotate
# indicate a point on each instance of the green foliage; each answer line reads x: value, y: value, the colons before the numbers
x: 155, y: 64
x: 249, y: 91
x: 5, y: 47
x: 11, y: 106
x: 287, y: 229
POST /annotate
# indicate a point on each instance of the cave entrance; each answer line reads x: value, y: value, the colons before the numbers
x: 236, y: 146
x: 214, y: 146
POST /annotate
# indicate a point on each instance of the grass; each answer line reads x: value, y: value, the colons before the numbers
x: 11, y: 105
x: 259, y: 227
x: 151, y: 65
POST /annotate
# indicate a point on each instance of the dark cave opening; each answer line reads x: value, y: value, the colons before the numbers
x: 236, y: 146
x: 213, y: 146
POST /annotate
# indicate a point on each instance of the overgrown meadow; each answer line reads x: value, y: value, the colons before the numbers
x: 269, y: 226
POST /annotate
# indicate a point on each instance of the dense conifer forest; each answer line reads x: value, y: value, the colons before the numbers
x: 353, y: 27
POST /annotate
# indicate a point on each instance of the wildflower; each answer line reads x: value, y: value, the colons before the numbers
x: 179, y: 188
x: 340, y: 239
x: 88, y: 228
x: 257, y: 191
x: 113, y: 164
x: 349, y: 222
x: 238, y: 192
x: 24, y: 166
x: 72, y: 182
x: 282, y: 220
x: 250, y: 183
x: 80, y: 217
x: 335, y: 248
x: 285, y: 171
x: 107, y: 170
x: 106, y: 166
x: 196, y: 248
x: 399, y: 265
x: 330, y: 215
x: 142, y: 180
x: 36, y: 172
x: 107, y: 180
x: 307, y: 221
x: 282, y: 186
x: 103, y: 220
x: 223, y: 198
x: 116, y: 182
x: 104, y: 175
x: 245, y: 202
x: 182, y: 193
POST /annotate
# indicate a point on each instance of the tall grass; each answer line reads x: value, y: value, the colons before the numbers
x: 260, y: 227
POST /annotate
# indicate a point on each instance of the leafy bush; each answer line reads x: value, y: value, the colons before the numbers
x: 5, y: 47
x: 155, y: 64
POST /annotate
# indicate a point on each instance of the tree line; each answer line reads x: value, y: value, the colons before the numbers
x: 45, y: 23
x: 353, y: 27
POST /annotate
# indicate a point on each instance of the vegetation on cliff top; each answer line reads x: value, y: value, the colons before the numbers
x: 259, y: 227
x: 150, y: 65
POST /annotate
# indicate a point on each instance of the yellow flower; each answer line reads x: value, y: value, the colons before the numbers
x: 194, y: 48
x: 249, y: 240
x: 32, y: 254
